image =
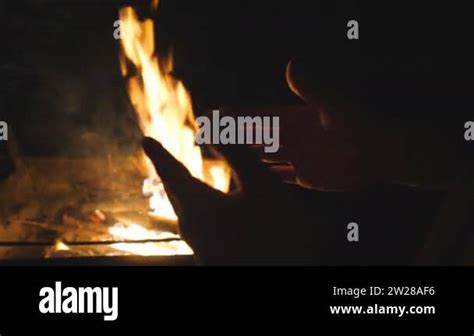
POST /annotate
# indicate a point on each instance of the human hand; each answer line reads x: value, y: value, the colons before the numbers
x: 254, y: 224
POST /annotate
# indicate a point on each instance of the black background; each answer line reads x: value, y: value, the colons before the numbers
x: 164, y: 300
x: 61, y: 80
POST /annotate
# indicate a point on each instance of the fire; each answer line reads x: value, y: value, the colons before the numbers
x: 164, y: 110
x: 137, y: 232
x: 60, y: 246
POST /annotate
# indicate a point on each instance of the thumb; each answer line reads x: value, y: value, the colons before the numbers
x: 180, y: 185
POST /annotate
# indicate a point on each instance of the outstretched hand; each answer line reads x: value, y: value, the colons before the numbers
x: 257, y: 223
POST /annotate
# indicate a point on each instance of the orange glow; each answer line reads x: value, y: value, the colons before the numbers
x: 60, y: 246
x: 164, y: 110
x: 137, y: 232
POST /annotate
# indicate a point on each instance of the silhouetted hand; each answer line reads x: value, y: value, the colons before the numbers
x: 335, y: 159
x: 363, y: 132
x: 266, y: 221
x: 263, y: 221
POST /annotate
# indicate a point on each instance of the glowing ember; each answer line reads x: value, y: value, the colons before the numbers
x: 137, y: 232
x: 60, y: 246
x: 177, y: 247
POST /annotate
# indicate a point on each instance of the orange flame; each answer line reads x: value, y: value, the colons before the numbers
x: 164, y: 110
x: 60, y: 246
x: 137, y: 232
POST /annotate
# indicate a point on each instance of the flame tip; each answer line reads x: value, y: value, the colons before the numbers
x: 164, y: 109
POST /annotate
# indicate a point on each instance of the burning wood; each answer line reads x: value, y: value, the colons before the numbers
x: 63, y: 208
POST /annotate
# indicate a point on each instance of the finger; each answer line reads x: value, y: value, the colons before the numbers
x: 176, y: 178
x: 283, y: 155
x: 252, y: 174
x: 286, y: 172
